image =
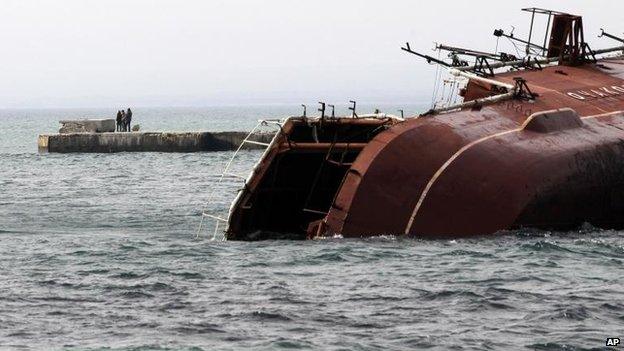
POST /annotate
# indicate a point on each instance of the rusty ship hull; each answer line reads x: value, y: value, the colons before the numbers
x: 554, y: 160
x: 514, y: 164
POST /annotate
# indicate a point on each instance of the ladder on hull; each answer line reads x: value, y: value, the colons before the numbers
x: 209, y: 212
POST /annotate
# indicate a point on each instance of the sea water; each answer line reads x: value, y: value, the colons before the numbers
x: 99, y: 251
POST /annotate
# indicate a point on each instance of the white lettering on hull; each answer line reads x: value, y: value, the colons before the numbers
x: 576, y: 96
x: 597, y: 93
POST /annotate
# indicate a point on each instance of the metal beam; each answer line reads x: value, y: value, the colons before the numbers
x: 429, y: 59
x: 605, y: 34
x: 540, y: 61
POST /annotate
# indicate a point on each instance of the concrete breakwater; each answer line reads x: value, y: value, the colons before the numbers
x: 147, y: 142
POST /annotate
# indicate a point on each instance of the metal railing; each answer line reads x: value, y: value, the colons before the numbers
x: 227, y: 173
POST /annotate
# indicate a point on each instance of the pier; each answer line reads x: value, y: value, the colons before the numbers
x: 146, y: 142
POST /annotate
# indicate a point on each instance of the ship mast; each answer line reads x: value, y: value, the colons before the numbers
x: 566, y: 46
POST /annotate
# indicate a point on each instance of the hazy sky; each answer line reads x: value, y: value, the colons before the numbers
x: 82, y: 53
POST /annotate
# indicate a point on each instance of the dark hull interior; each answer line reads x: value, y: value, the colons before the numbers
x: 301, y: 180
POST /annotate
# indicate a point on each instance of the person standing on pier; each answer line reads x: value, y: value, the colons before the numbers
x: 129, y: 118
x: 119, y: 120
x: 123, y: 121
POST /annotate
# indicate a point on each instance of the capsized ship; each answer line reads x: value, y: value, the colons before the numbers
x: 533, y: 142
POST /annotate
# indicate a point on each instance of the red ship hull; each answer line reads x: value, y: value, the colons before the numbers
x: 513, y: 164
x: 554, y: 162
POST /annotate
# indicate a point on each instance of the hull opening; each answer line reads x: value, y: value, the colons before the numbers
x: 296, y: 183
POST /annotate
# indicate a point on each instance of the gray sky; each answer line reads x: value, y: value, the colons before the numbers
x: 83, y: 53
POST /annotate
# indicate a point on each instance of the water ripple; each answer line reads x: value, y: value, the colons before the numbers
x: 99, y: 252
